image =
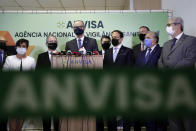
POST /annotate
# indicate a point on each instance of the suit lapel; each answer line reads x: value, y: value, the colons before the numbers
x: 85, y: 42
x: 75, y: 44
x: 121, y: 51
x: 153, y: 52
x: 180, y: 41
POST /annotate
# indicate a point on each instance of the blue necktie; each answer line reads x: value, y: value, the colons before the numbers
x: 115, y: 54
x: 79, y: 43
x: 174, y: 42
x: 147, y: 56
x: 1, y: 57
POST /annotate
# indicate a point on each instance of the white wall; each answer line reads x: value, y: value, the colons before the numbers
x: 185, y: 9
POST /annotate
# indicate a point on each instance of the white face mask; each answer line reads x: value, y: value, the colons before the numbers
x: 170, y: 30
x: 21, y: 51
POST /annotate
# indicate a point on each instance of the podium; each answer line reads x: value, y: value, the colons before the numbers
x: 77, y: 62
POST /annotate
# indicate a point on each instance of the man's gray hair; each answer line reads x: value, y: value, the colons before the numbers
x: 178, y: 20
x: 49, y: 37
x: 155, y: 35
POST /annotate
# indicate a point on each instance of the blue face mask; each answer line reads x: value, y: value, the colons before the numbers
x: 148, y: 42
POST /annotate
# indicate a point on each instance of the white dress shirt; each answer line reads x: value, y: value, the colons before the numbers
x: 13, y: 63
x: 178, y: 37
x: 50, y: 54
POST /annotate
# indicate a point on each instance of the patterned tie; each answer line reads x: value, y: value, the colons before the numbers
x: 147, y: 56
x: 79, y: 43
x: 174, y: 42
x: 115, y: 54
x: 1, y: 57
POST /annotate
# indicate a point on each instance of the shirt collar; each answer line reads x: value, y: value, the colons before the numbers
x: 49, y: 52
x: 152, y: 48
x: 179, y: 36
x: 82, y: 38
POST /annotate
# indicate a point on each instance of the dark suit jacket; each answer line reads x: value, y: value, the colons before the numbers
x: 183, y: 54
x: 136, y: 50
x: 153, y: 59
x: 124, y: 57
x: 4, y: 57
x: 89, y: 44
x: 43, y: 61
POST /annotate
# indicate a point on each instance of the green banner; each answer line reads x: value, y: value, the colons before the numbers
x: 36, y: 27
x: 130, y: 92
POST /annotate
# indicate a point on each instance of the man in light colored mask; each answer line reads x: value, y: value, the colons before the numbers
x: 180, y: 51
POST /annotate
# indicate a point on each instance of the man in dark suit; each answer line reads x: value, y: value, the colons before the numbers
x: 44, y: 61
x: 141, y: 46
x: 3, y: 55
x: 150, y: 56
x: 179, y: 52
x: 119, y: 55
x: 81, y: 43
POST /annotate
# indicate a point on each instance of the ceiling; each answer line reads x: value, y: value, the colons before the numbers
x: 64, y: 4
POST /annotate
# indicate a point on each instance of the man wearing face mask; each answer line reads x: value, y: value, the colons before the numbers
x: 105, y: 44
x: 150, y: 56
x: 119, y: 55
x: 44, y: 61
x: 81, y: 43
x: 180, y: 51
x: 140, y: 47
x: 19, y: 62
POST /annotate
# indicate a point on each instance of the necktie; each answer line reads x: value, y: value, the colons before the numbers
x: 174, y: 42
x: 147, y: 56
x: 21, y: 66
x: 142, y: 48
x: 79, y: 43
x: 1, y: 57
x: 115, y: 54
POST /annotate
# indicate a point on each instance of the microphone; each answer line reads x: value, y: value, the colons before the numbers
x: 63, y: 52
x: 95, y: 52
x: 75, y: 53
x: 69, y: 52
x: 89, y: 53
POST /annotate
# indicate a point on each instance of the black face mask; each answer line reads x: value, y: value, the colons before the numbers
x: 2, y: 45
x: 106, y: 45
x: 78, y: 31
x: 52, y: 46
x: 115, y: 42
x: 142, y: 37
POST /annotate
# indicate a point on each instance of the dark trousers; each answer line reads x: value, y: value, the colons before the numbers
x: 47, y: 124
x: 99, y: 124
x: 3, y: 125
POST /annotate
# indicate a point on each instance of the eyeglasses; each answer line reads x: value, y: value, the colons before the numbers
x: 78, y: 27
x: 169, y: 24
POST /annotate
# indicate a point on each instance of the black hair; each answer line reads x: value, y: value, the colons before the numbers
x: 119, y: 32
x: 20, y: 41
x: 145, y: 28
x: 105, y: 36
